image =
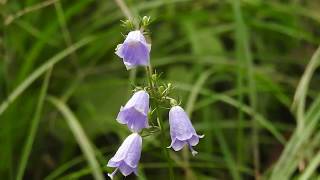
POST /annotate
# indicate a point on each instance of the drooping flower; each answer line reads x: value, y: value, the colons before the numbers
x: 127, y: 157
x: 181, y: 130
x: 134, y: 51
x: 135, y: 113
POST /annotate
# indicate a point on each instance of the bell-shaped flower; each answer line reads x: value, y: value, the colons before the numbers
x: 135, y: 51
x: 181, y: 130
x: 135, y: 113
x: 127, y: 157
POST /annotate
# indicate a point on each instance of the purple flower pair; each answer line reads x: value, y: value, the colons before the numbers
x: 135, y: 115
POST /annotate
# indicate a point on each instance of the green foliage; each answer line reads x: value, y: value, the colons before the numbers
x: 246, y: 72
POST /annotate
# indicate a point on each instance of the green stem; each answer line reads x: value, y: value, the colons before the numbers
x: 163, y: 142
x: 244, y: 55
x: 160, y: 122
x: 149, y: 77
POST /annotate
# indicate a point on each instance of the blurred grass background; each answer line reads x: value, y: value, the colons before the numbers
x: 245, y: 70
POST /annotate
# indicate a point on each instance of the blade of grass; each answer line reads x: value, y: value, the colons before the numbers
x: 231, y: 163
x: 294, y: 9
x: 40, y: 70
x: 311, y: 168
x: 65, y: 167
x: 124, y: 9
x: 299, y: 99
x: 289, y: 158
x: 189, y: 109
x: 231, y: 101
x: 244, y: 54
x: 35, y: 32
x: 57, y: 172
x: 283, y: 29
x: 195, y: 91
x: 227, y: 155
x: 207, y: 116
x: 64, y: 29
x: 34, y: 126
x: 80, y: 137
x: 33, y: 8
x: 48, y: 32
x: 258, y: 117
x: 240, y: 120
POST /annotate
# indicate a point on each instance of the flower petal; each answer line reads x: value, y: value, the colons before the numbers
x: 113, y: 163
x: 122, y: 152
x: 194, y: 140
x: 134, y: 152
x: 178, y: 145
x: 139, y: 100
x: 119, y: 50
x: 125, y: 169
x: 135, y: 36
x: 134, y: 119
x: 180, y: 124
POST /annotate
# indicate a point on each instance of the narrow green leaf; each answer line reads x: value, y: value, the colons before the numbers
x: 40, y: 70
x: 80, y: 136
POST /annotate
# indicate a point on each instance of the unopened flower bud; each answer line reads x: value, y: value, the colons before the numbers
x: 146, y: 20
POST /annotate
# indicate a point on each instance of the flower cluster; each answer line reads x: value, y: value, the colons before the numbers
x: 135, y: 51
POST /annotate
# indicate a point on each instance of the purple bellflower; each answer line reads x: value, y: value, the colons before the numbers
x: 134, y: 51
x: 127, y: 157
x: 135, y: 113
x: 181, y: 130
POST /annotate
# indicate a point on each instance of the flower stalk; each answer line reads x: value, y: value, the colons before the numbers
x: 154, y: 88
x: 136, y: 113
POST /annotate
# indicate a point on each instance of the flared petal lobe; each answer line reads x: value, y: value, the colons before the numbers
x: 127, y: 157
x: 134, y: 51
x: 135, y: 113
x: 181, y: 130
